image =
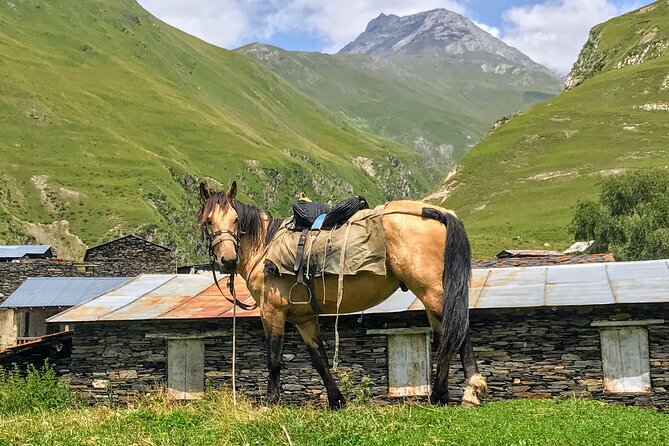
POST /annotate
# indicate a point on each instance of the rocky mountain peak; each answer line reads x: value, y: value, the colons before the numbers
x: 436, y: 33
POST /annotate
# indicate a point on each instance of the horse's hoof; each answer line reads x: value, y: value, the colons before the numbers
x: 470, y: 403
x: 438, y: 400
x: 337, y: 403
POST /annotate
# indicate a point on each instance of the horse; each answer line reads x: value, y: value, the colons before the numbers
x: 427, y: 251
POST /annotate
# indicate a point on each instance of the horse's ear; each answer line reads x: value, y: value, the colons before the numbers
x: 232, y: 192
x: 204, y: 192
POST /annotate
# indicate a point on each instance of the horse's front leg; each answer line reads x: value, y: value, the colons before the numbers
x: 311, y: 333
x: 274, y: 323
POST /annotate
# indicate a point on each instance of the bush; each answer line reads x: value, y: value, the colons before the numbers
x: 631, y: 218
x: 34, y: 389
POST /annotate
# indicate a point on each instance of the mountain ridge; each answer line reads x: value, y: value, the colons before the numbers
x: 110, y: 117
x: 439, y: 105
x: 518, y: 186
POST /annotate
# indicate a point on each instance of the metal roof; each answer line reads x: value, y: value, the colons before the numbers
x: 60, y: 291
x: 196, y: 297
x: 19, y: 251
x: 526, y: 253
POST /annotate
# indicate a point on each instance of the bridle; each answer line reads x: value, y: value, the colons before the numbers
x: 213, y: 239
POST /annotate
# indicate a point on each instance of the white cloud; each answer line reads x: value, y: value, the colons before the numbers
x: 221, y: 22
x: 493, y: 31
x: 553, y: 32
x: 230, y: 23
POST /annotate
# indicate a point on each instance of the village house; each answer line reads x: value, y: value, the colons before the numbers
x: 597, y: 330
x: 123, y: 257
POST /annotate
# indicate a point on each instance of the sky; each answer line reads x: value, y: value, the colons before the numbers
x: 551, y: 32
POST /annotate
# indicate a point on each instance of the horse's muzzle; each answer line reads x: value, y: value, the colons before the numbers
x: 228, y: 266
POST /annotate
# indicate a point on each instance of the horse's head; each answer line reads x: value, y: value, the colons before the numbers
x: 219, y: 222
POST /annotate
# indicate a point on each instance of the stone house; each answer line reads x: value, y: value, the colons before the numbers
x: 129, y: 256
x: 39, y: 298
x: 123, y: 257
x: 595, y: 330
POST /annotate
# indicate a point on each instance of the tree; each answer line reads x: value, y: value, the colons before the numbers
x: 631, y: 218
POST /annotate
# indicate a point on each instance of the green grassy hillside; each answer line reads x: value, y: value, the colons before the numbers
x: 439, y: 106
x: 517, y: 188
x: 108, y: 117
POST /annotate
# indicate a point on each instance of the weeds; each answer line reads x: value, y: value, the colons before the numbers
x: 34, y: 389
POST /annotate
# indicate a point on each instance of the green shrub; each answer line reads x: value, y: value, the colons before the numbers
x: 34, y: 389
x: 631, y: 218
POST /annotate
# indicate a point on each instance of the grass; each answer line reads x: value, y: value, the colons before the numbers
x: 32, y: 390
x: 109, y: 116
x: 518, y: 187
x: 38, y: 409
x: 215, y: 421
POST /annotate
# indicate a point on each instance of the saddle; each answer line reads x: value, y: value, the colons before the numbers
x: 313, y: 216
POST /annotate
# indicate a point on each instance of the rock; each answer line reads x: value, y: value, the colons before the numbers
x: 100, y: 383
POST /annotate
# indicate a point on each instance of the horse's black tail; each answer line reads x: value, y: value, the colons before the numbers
x: 457, y: 272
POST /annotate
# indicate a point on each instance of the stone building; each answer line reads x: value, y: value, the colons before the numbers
x: 130, y: 256
x: 39, y: 298
x: 123, y: 257
x: 595, y: 330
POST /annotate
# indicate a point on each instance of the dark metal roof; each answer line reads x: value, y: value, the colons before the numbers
x: 20, y: 251
x: 526, y: 253
x: 60, y: 291
x: 543, y: 261
x: 51, y: 345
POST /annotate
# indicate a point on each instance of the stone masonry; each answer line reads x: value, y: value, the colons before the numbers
x: 524, y: 353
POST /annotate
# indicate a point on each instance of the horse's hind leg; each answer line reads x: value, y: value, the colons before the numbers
x: 439, y: 393
x: 311, y: 333
x: 475, y: 384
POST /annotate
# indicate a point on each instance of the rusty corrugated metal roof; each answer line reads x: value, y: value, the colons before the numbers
x: 151, y: 297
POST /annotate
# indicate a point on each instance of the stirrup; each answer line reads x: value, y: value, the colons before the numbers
x: 290, y: 294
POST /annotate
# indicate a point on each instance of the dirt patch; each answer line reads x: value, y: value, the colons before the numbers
x: 665, y: 83
x: 650, y: 35
x: 553, y: 175
x: 609, y: 172
x: 366, y: 164
x: 58, y: 235
x: 445, y: 190
x: 654, y: 106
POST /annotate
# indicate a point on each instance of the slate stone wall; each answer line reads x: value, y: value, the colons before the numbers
x: 524, y: 353
x: 131, y: 256
x: 125, y: 257
x: 13, y: 274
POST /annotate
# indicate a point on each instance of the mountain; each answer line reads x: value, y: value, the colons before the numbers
x: 109, y: 118
x: 518, y: 186
x: 433, y: 81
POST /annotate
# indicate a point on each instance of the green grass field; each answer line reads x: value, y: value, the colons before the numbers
x: 215, y: 421
x: 518, y: 187
x: 108, y: 117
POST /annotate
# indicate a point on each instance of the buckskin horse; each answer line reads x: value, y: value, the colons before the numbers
x: 427, y: 251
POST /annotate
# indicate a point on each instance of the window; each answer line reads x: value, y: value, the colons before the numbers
x: 625, y: 356
x: 185, y: 368
x: 409, y: 361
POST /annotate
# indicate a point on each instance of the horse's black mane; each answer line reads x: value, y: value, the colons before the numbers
x: 250, y: 217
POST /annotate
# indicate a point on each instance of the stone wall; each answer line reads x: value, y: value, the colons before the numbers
x: 125, y: 257
x: 13, y: 274
x: 523, y: 353
x: 131, y: 256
